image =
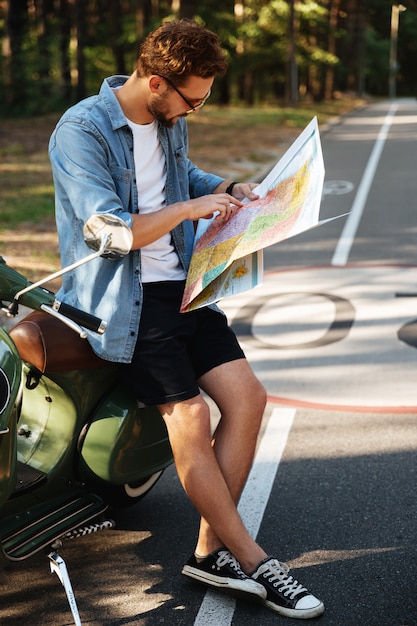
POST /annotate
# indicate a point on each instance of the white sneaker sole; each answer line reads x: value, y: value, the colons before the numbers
x: 297, y: 613
x: 247, y: 589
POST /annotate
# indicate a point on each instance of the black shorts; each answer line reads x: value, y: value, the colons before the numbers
x: 174, y: 349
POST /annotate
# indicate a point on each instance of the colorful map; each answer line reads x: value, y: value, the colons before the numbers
x: 226, y: 257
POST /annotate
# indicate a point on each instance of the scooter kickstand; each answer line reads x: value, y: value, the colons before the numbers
x: 58, y: 566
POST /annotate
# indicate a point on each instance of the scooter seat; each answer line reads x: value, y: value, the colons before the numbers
x: 49, y: 345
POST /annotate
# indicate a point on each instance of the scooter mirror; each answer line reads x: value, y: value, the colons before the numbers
x: 110, y: 229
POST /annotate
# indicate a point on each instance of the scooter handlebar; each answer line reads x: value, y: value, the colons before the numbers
x: 86, y: 320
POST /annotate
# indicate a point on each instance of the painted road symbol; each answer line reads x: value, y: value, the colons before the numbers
x: 337, y: 187
x: 332, y: 336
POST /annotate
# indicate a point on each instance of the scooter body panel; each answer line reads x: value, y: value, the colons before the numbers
x: 63, y: 436
x: 124, y: 442
x: 47, y: 424
x: 12, y: 282
x: 54, y: 409
x: 25, y: 533
x: 10, y: 385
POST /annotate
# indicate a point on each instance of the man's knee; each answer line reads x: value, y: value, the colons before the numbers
x: 254, y: 394
x: 188, y: 419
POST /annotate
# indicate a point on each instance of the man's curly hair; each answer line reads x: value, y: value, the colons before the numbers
x: 179, y: 49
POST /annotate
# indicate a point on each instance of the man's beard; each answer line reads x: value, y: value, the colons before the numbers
x: 159, y: 114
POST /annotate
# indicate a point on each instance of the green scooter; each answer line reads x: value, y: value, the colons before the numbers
x: 73, y: 439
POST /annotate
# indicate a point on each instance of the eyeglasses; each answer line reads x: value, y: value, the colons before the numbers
x: 192, y: 107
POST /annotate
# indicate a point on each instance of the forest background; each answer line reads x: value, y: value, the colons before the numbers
x: 54, y: 52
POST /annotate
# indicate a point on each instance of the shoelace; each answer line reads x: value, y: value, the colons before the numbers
x: 277, y: 572
x: 227, y: 558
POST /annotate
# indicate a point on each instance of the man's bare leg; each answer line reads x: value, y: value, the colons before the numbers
x: 214, y: 471
x: 241, y: 400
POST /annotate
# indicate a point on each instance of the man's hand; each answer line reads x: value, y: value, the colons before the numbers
x: 148, y: 227
x: 223, y: 205
x: 240, y: 191
x: 244, y: 190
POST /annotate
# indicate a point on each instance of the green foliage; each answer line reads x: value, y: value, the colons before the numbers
x: 256, y: 38
x: 31, y: 206
x: 377, y: 63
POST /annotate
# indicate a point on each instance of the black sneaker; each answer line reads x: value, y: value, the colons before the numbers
x: 220, y: 569
x: 285, y: 595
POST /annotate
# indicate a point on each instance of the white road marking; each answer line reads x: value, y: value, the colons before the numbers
x: 219, y: 609
x: 341, y: 253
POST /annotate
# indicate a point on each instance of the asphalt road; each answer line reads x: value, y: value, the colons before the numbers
x: 332, y: 334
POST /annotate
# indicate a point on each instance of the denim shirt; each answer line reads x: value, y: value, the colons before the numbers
x: 91, y: 153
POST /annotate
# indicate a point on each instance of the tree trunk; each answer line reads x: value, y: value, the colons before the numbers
x: 44, y: 43
x: 351, y: 60
x: 187, y: 9
x: 17, y: 21
x: 331, y: 46
x: 361, y: 48
x: 64, y: 36
x: 144, y: 14
x: 116, y: 34
x: 80, y: 22
x: 291, y: 83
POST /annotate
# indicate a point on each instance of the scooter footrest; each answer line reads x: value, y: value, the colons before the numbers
x: 42, y: 524
x: 27, y: 478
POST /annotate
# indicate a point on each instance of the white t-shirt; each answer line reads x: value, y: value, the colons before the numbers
x: 159, y: 260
